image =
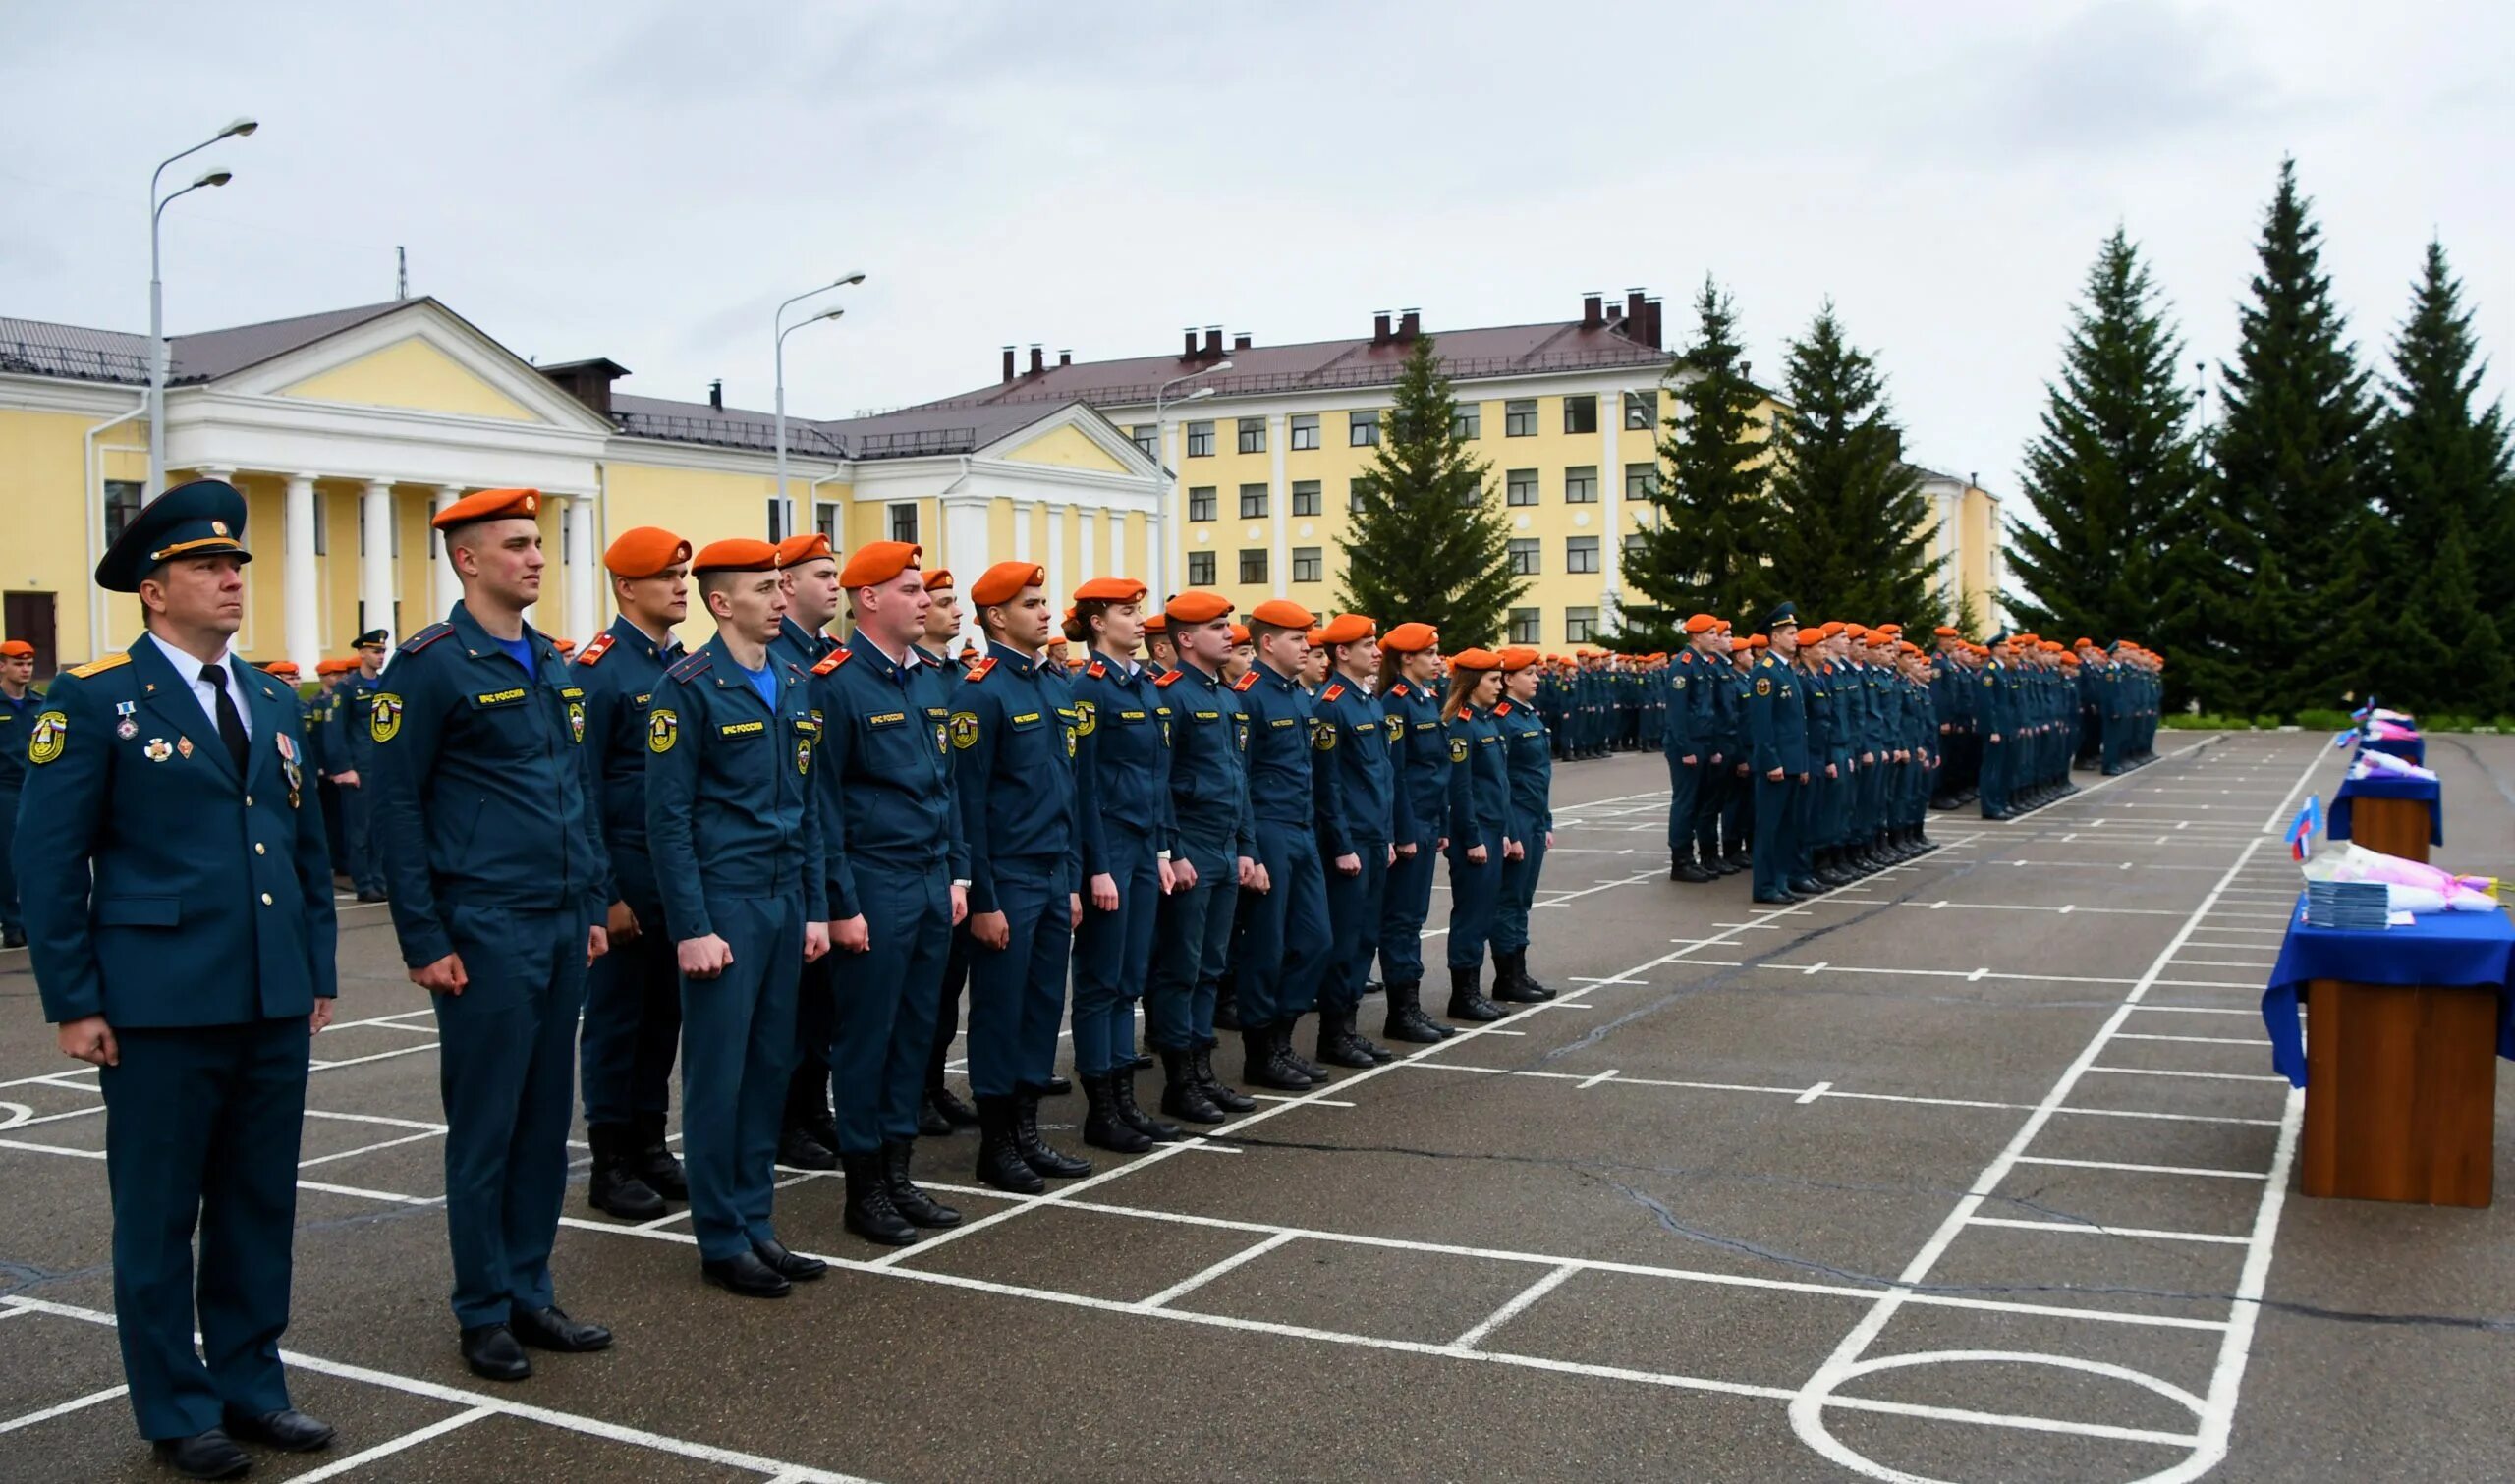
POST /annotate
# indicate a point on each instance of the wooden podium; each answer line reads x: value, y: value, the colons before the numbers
x: 2401, y: 1082
x: 2391, y: 826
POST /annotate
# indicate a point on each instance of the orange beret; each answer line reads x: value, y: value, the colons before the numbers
x: 1004, y: 580
x: 1283, y: 613
x: 2082, y: 643
x: 1159, y: 623
x: 643, y: 550
x: 1724, y: 626
x: 1759, y: 641
x: 1198, y: 607
x: 2069, y: 659
x: 1476, y: 659
x: 1947, y: 632
x: 17, y: 649
x: 1240, y: 633
x: 939, y: 579
x: 1702, y: 623
x: 489, y: 505
x: 736, y: 554
x: 1909, y: 647
x: 1896, y: 629
x: 1344, y: 629
x: 797, y: 550
x: 1516, y: 659
x: 285, y: 668
x: 1110, y: 591
x: 1411, y: 638
x: 876, y: 563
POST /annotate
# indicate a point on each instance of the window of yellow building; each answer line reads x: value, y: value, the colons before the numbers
x: 1201, y: 502
x: 903, y: 523
x: 1305, y: 431
x: 1201, y: 569
x: 122, y: 507
x: 1581, y: 484
x: 1524, y: 561
x: 1527, y: 627
x: 1468, y: 421
x: 1361, y: 429
x: 1641, y: 412
x: 1252, y: 502
x: 1519, y: 418
x: 1354, y: 496
x: 1581, y: 554
x: 1581, y: 415
x: 1200, y: 440
x: 1305, y: 497
x: 1518, y: 487
x: 1580, y: 625
x: 1147, y: 437
x: 1310, y: 564
x: 1641, y: 480
x: 1253, y: 563
x: 1252, y: 435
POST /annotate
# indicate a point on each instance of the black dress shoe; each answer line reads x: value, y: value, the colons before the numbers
x: 744, y: 1274
x: 551, y: 1329
x: 794, y: 1267
x: 1774, y: 899
x: 13, y: 937
x: 370, y: 897
x: 288, y: 1430
x: 203, y: 1455
x: 1807, y: 886
x: 493, y: 1354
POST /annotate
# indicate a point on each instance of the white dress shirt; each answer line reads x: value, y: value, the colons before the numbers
x: 189, y: 668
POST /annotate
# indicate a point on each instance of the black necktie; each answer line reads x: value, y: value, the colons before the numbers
x: 231, y: 723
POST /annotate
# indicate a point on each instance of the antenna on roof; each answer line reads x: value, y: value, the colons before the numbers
x: 401, y: 273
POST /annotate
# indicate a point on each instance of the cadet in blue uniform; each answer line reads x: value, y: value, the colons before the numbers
x: 1996, y: 691
x: 17, y: 719
x: 1777, y: 734
x: 1529, y: 770
x: 632, y: 993
x: 940, y: 669
x: 1688, y: 722
x: 1216, y: 839
x: 351, y: 750
x: 1410, y: 675
x: 1479, y: 812
x: 1130, y: 861
x: 166, y: 825
x: 1357, y: 829
x: 1285, y: 937
x: 894, y: 861
x: 808, y: 577
x: 1012, y: 734
x: 735, y: 836
x: 497, y: 863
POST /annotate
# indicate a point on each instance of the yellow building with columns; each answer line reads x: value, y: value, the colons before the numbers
x: 345, y: 431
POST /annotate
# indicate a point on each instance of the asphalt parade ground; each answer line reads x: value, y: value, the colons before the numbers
x: 1975, y: 1171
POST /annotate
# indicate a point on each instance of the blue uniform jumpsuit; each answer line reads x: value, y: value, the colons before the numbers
x: 1422, y: 751
x: 1121, y: 793
x: 1284, y: 938
x: 493, y: 853
x: 1777, y: 737
x: 1209, y: 802
x: 1480, y: 809
x: 737, y: 847
x: 1363, y: 818
x: 191, y: 905
x: 1529, y: 768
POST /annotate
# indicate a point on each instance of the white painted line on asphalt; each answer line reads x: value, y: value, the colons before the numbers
x: 1519, y: 1304
x: 2132, y: 1035
x: 2215, y: 1077
x: 391, y: 1446
x: 65, y: 1409
x: 1607, y: 1076
x: 1813, y: 1092
x: 407, y: 1138
x: 1197, y: 1280
x: 2102, y: 1164
x: 2091, y: 1228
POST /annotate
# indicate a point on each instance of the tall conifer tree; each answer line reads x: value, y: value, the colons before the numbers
x: 1853, y: 528
x: 1704, y: 546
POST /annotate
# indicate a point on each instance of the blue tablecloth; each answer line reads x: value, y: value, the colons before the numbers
x: 2426, y: 791
x: 2450, y: 949
x: 2413, y: 747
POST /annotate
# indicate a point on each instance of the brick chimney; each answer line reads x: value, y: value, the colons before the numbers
x: 1213, y: 341
x: 1650, y: 323
x: 716, y: 393
x: 1240, y: 342
x: 1632, y: 306
x: 1380, y: 328
x: 1189, y: 352
x: 1410, y: 323
x: 1065, y: 358
x: 1008, y: 363
x: 587, y: 381
x: 1039, y: 359
x: 1592, y: 311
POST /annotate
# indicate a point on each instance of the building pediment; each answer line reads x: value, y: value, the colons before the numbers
x: 423, y: 359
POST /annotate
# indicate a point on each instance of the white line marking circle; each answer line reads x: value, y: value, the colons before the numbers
x: 17, y: 1113
x: 1807, y: 1408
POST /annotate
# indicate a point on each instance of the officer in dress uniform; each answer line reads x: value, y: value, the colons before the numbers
x: 166, y: 825
x: 1528, y: 771
x: 1359, y: 828
x: 1813, y: 825
x: 1410, y: 677
x: 496, y: 865
x: 1012, y: 734
x: 938, y: 672
x: 632, y: 993
x: 1480, y: 814
x: 736, y: 839
x: 1285, y: 939
x: 807, y: 575
x: 351, y: 749
x: 1777, y: 735
x: 896, y: 868
x: 17, y: 719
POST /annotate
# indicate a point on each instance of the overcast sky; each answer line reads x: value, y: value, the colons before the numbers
x: 645, y: 181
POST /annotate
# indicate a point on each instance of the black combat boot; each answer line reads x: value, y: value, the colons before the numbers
x: 1037, y: 1152
x: 1261, y: 1068
x: 1405, y: 1019
x: 1182, y: 1095
x: 869, y: 1212
x: 918, y: 1208
x: 614, y: 1187
x: 1122, y: 1095
x: 1467, y: 997
x: 1102, y: 1128
x: 1511, y: 985
x: 1227, y: 1005
x: 1228, y: 1098
x: 1337, y: 1044
x: 653, y: 1159
x: 955, y: 1112
x: 1302, y: 1066
x: 1001, y: 1162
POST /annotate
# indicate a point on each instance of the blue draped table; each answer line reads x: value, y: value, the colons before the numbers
x: 2414, y: 749
x: 2426, y: 791
x: 2448, y: 950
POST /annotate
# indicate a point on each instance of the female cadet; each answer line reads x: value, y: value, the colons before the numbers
x: 1122, y: 796
x: 1410, y: 675
x: 1479, y: 812
x: 1235, y: 669
x: 1528, y: 759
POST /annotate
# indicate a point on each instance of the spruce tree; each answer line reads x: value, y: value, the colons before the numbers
x: 2113, y: 477
x: 2288, y: 530
x: 1711, y: 531
x: 1852, y: 529
x: 1429, y: 542
x: 2446, y: 487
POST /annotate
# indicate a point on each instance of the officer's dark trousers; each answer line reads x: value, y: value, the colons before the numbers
x: 1685, y: 795
x: 1192, y: 942
x: 506, y: 1075
x: 1993, y: 787
x: 1354, y: 906
x: 737, y: 1053
x: 1809, y: 806
x: 8, y: 872
x: 1113, y: 951
x: 1476, y: 896
x: 1711, y: 802
x: 947, y: 1004
x: 1404, y: 905
x: 885, y: 1020
x: 1519, y: 888
x: 1017, y: 995
x: 365, y: 859
x: 633, y: 1019
x: 1776, y: 807
x: 1286, y: 937
x: 201, y: 1123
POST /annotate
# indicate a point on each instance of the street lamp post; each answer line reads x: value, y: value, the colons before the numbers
x: 157, y: 205
x: 783, y: 330
x: 1162, y: 439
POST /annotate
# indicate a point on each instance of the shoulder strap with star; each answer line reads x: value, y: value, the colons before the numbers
x: 426, y: 636
x: 600, y: 646
x: 980, y: 671
x: 101, y: 666
x: 832, y: 661
x: 1168, y: 678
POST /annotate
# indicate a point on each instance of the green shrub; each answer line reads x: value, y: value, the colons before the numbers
x: 2266, y: 723
x: 2446, y: 722
x: 2324, y: 721
x: 2205, y: 721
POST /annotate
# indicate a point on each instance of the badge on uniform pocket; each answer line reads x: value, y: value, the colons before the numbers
x: 577, y: 721
x: 802, y: 756
x: 1458, y: 749
x: 964, y: 729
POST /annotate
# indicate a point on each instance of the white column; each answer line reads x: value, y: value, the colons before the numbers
x: 1279, y: 502
x: 1116, y: 520
x: 965, y: 547
x: 1610, y: 503
x: 1170, y: 518
x: 442, y: 588
x: 576, y: 533
x: 1086, y: 537
x: 375, y: 561
x: 1021, y: 532
x: 1058, y: 586
x: 299, y: 619
x: 1156, y: 555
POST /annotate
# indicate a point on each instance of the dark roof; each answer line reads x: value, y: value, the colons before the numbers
x: 33, y: 346
x: 1321, y: 364
x: 907, y: 433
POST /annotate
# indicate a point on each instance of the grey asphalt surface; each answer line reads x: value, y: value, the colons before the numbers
x: 1668, y: 1227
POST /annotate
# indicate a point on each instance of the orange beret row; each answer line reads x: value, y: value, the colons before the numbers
x: 1344, y: 629
x: 17, y: 649
x: 1004, y: 580
x: 873, y: 563
x: 489, y: 505
x: 1283, y: 613
x: 736, y: 554
x: 808, y: 546
x: 1516, y: 659
x: 1110, y: 591
x: 1198, y: 607
x: 1240, y: 633
x: 643, y: 550
x: 1411, y: 638
x: 1476, y: 659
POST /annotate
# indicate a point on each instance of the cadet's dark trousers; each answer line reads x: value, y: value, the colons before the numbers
x: 201, y: 1123
x: 506, y: 1075
x: 1809, y: 807
x: 1685, y: 797
x: 1776, y: 807
x: 1354, y: 906
x: 1112, y: 951
x: 1519, y: 888
x: 1287, y: 936
x: 1476, y: 896
x: 366, y: 859
x: 737, y: 1053
x: 947, y: 1004
x: 632, y: 1020
x: 885, y: 1020
x: 1711, y: 803
x: 8, y: 872
x: 816, y: 1021
x: 1404, y: 905
x: 1192, y: 941
x: 1017, y: 995
x: 335, y: 823
x: 1993, y: 787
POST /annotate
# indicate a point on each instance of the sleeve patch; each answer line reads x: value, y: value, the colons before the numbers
x: 663, y: 729
x: 50, y: 735
x: 384, y: 716
x: 964, y: 728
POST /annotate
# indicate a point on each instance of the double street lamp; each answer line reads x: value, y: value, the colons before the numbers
x: 783, y: 330
x: 157, y: 354
x: 1161, y: 436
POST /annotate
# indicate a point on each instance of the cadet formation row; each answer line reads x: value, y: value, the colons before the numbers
x: 778, y: 861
